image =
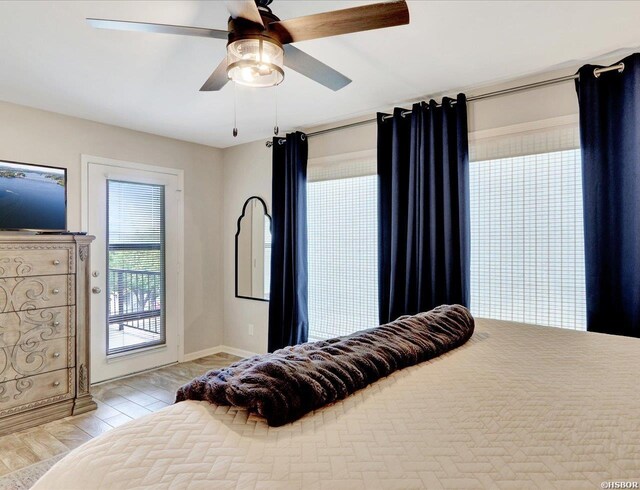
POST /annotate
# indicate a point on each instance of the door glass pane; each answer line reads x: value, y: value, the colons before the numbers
x: 136, y: 272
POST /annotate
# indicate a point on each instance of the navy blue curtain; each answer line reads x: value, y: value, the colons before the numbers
x: 423, y: 210
x: 610, y: 141
x: 288, y: 311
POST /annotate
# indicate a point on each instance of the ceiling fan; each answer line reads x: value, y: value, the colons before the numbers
x: 259, y: 43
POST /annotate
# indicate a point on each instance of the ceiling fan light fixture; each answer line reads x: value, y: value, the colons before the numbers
x: 255, y: 62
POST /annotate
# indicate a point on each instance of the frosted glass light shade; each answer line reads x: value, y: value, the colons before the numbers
x: 255, y: 62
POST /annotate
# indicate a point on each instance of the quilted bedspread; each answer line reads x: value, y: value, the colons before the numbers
x: 285, y: 385
x: 517, y: 406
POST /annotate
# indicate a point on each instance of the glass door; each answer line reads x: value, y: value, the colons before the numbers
x: 134, y: 308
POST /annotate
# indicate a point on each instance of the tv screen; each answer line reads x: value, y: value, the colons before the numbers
x: 32, y: 197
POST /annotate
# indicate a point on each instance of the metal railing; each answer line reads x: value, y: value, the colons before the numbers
x: 135, y: 299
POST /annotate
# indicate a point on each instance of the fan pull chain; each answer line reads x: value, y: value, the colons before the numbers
x: 235, y: 110
x: 276, y: 129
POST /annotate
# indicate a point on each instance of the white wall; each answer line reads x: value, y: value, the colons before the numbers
x: 35, y: 136
x: 522, y: 107
x: 247, y: 172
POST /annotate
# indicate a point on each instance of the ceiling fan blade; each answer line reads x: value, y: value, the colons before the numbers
x: 126, y: 25
x: 218, y: 78
x: 245, y: 9
x: 356, y: 19
x: 314, y: 69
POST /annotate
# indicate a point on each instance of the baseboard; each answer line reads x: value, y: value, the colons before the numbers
x: 191, y: 356
x: 237, y: 352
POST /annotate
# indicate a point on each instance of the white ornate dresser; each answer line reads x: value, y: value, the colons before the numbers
x: 44, y: 329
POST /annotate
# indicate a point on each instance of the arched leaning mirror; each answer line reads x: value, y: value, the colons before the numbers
x: 253, y: 251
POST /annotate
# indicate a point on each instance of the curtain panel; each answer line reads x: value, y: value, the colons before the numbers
x: 610, y: 142
x: 423, y: 210
x: 288, y: 309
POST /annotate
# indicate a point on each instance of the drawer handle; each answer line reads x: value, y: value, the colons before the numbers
x: 56, y: 262
x: 56, y: 383
x: 56, y: 323
x: 55, y: 291
x: 56, y: 354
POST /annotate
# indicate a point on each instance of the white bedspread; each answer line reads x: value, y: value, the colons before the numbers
x: 516, y: 407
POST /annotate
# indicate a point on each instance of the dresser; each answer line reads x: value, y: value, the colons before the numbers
x: 44, y: 329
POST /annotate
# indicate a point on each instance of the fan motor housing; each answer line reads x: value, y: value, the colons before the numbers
x: 243, y: 29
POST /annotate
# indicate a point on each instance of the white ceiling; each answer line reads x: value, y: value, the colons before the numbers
x: 51, y: 59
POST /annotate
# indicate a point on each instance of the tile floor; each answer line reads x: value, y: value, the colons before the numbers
x: 118, y: 402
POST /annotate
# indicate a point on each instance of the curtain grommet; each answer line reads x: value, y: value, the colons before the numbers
x: 599, y: 71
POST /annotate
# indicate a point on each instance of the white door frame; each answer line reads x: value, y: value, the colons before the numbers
x: 85, y: 161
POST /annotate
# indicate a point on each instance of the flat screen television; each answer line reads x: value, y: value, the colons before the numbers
x: 32, y: 197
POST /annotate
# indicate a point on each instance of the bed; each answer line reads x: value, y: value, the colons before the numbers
x: 517, y: 406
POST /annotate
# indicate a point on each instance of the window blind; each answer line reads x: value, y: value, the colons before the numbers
x: 527, y: 251
x: 343, y: 245
x: 136, y: 272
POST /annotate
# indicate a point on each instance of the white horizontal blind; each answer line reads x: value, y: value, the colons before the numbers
x: 136, y: 272
x: 342, y: 197
x: 527, y: 250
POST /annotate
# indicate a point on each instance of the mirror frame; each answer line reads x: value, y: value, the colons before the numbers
x: 266, y: 213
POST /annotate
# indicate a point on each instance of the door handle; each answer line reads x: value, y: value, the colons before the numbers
x: 96, y: 290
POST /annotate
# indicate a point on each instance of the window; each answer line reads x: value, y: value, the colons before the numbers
x: 136, y: 281
x: 527, y: 251
x: 342, y: 197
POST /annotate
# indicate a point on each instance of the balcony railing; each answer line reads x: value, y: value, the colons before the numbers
x: 135, y: 299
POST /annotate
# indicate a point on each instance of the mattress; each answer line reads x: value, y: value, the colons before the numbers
x: 518, y: 406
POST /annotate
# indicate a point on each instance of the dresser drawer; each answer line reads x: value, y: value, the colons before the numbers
x: 21, y: 394
x: 21, y: 327
x: 27, y: 293
x: 22, y: 260
x: 21, y: 361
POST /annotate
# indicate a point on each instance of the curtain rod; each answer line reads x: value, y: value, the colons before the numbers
x: 519, y: 88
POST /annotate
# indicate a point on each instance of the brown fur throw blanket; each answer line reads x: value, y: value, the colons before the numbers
x: 288, y: 383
